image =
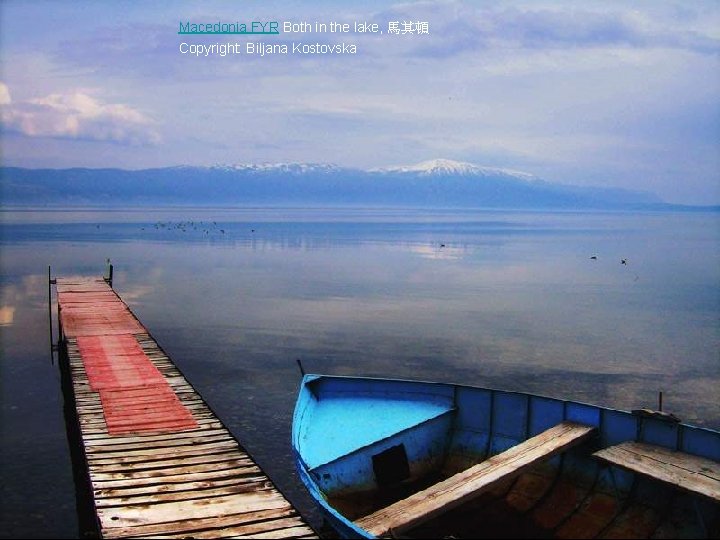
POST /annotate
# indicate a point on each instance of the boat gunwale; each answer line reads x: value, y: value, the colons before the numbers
x: 310, y: 377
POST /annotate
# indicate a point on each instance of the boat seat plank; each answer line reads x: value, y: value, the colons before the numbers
x: 472, y: 482
x: 685, y: 471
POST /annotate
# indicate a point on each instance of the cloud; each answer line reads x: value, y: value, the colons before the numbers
x: 77, y: 116
x: 141, y: 50
x: 4, y: 94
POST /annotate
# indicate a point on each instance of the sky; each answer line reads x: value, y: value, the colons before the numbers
x: 613, y: 94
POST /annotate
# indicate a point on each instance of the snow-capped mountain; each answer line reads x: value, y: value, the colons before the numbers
x: 448, y: 167
x: 437, y: 183
x: 290, y: 167
x: 433, y: 167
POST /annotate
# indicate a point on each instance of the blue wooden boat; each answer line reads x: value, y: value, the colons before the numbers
x: 431, y: 460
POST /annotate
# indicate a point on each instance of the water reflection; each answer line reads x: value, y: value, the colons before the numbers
x: 501, y: 299
x: 7, y: 315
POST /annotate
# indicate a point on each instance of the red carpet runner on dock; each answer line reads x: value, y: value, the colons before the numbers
x: 135, y: 396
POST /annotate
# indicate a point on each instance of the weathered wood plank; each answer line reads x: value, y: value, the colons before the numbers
x: 95, y: 440
x: 95, y: 410
x: 237, y: 465
x: 94, y: 399
x: 95, y: 418
x: 134, y: 515
x: 98, y: 430
x: 171, y: 451
x: 118, y: 465
x: 288, y: 532
x: 246, y: 487
x: 90, y: 417
x: 454, y: 491
x: 190, y: 526
x: 192, y: 439
x: 189, y: 476
x: 254, y: 530
x: 127, y: 491
x: 685, y: 471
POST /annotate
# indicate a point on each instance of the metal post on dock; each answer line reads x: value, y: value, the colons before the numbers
x: 59, y: 323
x: 109, y: 279
x: 53, y: 346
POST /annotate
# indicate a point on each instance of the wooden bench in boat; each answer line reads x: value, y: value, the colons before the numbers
x: 472, y: 482
x: 685, y: 471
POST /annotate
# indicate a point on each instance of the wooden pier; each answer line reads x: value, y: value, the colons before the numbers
x: 159, y: 462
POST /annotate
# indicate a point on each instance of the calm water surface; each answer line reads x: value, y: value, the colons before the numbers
x: 502, y: 299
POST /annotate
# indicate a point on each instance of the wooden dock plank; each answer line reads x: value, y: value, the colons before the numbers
x: 175, y: 441
x: 240, y: 465
x: 257, y: 530
x: 685, y: 471
x: 189, y: 527
x: 187, y: 476
x: 289, y: 532
x: 168, y: 467
x: 179, y: 486
x: 132, y: 515
x: 169, y: 451
x: 203, y: 424
x: 183, y: 495
x: 122, y: 465
x: 141, y: 439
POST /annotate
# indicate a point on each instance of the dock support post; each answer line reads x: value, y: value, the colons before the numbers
x: 61, y: 338
x: 109, y: 279
x: 53, y: 346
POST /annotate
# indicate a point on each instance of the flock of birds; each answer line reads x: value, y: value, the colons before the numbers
x: 595, y: 258
x: 623, y: 261
x: 192, y: 226
x: 186, y: 226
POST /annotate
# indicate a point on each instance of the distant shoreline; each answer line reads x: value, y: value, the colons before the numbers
x: 432, y: 184
x: 68, y: 207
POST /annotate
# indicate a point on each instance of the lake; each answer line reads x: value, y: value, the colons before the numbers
x: 503, y: 299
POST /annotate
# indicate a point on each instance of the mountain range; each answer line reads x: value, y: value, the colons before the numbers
x: 435, y: 183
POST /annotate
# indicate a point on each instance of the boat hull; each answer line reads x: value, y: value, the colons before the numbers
x: 360, y: 443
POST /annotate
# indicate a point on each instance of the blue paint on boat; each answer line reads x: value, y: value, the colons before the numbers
x: 371, y: 419
x: 342, y: 426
